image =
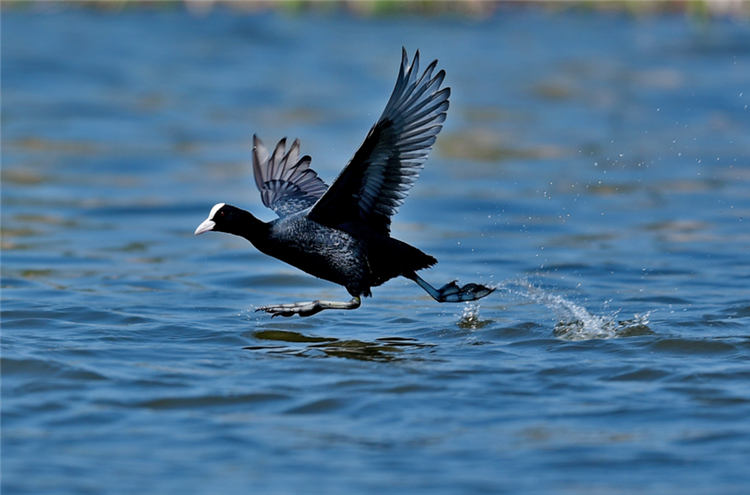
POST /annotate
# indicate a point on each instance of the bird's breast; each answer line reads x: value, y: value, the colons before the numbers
x: 324, y: 252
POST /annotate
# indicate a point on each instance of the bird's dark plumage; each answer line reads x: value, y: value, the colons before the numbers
x: 286, y: 182
x: 377, y: 179
x: 341, y: 233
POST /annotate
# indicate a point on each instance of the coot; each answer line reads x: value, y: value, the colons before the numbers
x: 342, y: 233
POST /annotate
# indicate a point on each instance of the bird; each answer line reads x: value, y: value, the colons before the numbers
x: 342, y: 233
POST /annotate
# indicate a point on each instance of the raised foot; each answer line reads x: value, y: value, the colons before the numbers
x: 451, y: 292
x: 308, y: 308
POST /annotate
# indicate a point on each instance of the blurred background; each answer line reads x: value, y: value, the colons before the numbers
x: 594, y: 167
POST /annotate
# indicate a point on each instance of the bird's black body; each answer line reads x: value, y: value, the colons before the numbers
x: 342, y: 233
x: 350, y: 254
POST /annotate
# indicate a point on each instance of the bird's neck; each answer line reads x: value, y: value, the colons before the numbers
x: 252, y: 229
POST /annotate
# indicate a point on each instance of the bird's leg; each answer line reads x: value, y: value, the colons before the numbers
x: 451, y: 292
x: 308, y: 308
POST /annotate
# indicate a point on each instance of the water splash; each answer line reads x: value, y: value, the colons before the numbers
x: 575, y: 321
x: 470, y: 319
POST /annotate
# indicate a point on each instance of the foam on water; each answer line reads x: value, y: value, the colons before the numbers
x: 575, y: 321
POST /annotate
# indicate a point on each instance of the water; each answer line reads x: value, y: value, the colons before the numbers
x: 594, y: 168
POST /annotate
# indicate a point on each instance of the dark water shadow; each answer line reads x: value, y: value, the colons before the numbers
x: 384, y: 349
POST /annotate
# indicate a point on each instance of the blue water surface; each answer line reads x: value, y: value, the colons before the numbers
x: 594, y: 167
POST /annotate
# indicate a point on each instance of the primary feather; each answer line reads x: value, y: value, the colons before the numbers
x: 377, y: 179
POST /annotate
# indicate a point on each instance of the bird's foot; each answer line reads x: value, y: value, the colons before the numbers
x: 308, y: 308
x: 291, y: 309
x: 451, y: 292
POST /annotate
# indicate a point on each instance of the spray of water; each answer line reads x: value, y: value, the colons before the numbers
x: 470, y: 319
x: 574, y: 321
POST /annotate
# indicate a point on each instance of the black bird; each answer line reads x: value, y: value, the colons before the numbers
x: 342, y: 233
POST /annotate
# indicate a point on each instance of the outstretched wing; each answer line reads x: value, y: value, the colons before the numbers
x: 377, y: 179
x: 287, y: 184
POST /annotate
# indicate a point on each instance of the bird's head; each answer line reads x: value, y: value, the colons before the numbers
x: 223, y: 218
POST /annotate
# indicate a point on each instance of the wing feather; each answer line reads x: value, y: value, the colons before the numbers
x: 379, y: 176
x: 286, y: 182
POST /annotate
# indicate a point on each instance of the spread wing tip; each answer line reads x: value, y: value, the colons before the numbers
x: 286, y: 182
x: 377, y: 179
